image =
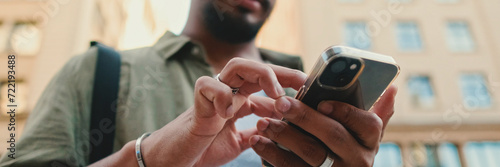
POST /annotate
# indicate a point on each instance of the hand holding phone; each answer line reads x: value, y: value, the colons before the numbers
x: 345, y: 75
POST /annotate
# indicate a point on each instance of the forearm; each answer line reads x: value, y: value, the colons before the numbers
x: 174, y: 145
x: 180, y: 148
x: 123, y: 158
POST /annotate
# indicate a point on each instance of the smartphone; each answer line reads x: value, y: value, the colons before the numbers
x: 347, y: 75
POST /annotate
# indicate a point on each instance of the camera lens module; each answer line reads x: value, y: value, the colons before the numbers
x: 338, y: 66
x: 340, y: 72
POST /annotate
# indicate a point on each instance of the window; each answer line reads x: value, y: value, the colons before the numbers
x: 389, y: 154
x: 482, y: 153
x: 474, y: 91
x: 419, y: 155
x: 421, y: 92
x: 459, y: 37
x: 25, y: 38
x: 431, y: 155
x: 435, y: 155
x: 408, y: 36
x: 448, y: 155
x: 356, y: 35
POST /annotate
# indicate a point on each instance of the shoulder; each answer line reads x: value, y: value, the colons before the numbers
x: 86, y: 62
x: 139, y: 57
x: 79, y: 67
x: 282, y: 59
x: 138, y: 52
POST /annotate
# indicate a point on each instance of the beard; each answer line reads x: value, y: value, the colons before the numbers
x: 229, y: 28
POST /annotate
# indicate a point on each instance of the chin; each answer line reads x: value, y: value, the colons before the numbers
x: 237, y: 26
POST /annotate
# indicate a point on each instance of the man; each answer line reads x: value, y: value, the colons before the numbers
x: 169, y: 89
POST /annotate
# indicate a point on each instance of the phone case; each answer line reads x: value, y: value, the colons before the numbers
x: 376, y: 73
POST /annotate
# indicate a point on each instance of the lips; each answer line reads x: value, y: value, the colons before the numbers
x: 251, y: 5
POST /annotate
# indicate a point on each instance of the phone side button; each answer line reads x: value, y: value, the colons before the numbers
x: 300, y: 94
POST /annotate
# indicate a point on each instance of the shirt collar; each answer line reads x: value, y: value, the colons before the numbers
x: 170, y: 44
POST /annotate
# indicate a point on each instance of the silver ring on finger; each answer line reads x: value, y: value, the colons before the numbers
x: 233, y: 90
x: 328, y: 162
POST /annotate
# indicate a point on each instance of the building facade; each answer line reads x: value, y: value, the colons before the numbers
x: 447, y: 111
x: 43, y: 35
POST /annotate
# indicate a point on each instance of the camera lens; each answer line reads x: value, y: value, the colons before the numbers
x: 342, y: 80
x: 338, y: 66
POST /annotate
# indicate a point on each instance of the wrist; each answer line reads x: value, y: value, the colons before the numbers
x: 124, y: 157
x: 128, y: 154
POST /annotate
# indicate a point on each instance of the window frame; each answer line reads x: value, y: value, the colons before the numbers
x: 346, y: 30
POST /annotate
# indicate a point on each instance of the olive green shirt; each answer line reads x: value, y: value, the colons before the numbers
x: 156, y: 86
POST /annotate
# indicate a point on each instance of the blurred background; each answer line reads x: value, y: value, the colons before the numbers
x: 447, y: 108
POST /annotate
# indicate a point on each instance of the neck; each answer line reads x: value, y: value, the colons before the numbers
x: 217, y: 52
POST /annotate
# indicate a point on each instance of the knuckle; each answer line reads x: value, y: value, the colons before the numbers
x: 284, y: 162
x: 302, y: 116
x: 365, y: 163
x: 373, y: 131
x: 202, y: 82
x: 310, y: 151
x: 363, y: 159
x: 268, y: 70
x: 375, y: 124
x: 350, y: 109
x: 335, y: 135
x: 235, y: 61
x: 265, y: 71
x: 390, y: 113
x: 219, y: 94
x: 274, y: 135
x: 350, y: 113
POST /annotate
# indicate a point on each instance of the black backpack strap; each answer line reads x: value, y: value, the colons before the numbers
x: 104, y: 97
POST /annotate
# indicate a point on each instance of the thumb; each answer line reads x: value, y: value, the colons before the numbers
x: 238, y: 101
x: 212, y: 107
x: 245, y: 137
x: 384, y: 108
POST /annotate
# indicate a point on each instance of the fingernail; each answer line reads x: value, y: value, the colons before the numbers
x: 254, y: 140
x: 230, y: 111
x: 325, y: 107
x: 283, y: 105
x: 262, y: 125
x: 280, y: 90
